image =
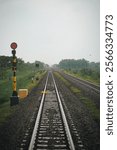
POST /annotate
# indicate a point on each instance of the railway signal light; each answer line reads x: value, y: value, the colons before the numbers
x: 13, y: 45
x: 14, y: 99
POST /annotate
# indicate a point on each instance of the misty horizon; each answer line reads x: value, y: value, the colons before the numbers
x: 50, y: 31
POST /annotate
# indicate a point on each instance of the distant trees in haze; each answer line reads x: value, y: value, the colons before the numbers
x: 81, y: 66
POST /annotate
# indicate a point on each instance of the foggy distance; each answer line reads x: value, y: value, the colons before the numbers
x: 50, y: 31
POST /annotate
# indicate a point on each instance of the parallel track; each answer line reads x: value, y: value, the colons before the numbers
x: 51, y: 130
x: 89, y: 85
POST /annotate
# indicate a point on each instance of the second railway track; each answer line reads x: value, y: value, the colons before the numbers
x: 51, y: 130
x: 81, y: 82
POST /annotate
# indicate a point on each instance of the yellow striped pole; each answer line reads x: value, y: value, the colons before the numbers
x: 14, y: 98
x: 14, y: 82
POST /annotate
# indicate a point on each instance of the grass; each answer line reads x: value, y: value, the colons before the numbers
x: 23, y: 81
x: 86, y: 77
x: 63, y: 79
x: 5, y: 90
x: 87, y: 102
x: 75, y: 90
x: 91, y: 106
x: 5, y: 111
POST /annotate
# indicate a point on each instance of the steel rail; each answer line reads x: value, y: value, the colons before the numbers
x: 31, y: 146
x: 35, y: 130
x: 83, y: 82
x: 64, y: 118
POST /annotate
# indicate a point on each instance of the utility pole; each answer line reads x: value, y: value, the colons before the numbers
x: 14, y: 99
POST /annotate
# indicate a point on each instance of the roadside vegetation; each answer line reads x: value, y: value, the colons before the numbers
x: 25, y: 73
x: 95, y: 112
x: 81, y: 68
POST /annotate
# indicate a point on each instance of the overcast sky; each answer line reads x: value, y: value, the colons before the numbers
x: 50, y: 30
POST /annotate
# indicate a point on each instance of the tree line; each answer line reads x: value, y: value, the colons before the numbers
x: 6, y: 65
x: 81, y: 66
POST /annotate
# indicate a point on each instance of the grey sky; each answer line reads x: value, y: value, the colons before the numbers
x: 50, y: 30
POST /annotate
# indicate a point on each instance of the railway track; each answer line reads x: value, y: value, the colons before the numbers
x: 81, y: 82
x: 51, y: 130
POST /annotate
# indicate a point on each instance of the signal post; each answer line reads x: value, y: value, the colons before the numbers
x: 14, y: 99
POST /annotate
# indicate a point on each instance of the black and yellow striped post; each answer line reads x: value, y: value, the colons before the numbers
x: 14, y: 100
